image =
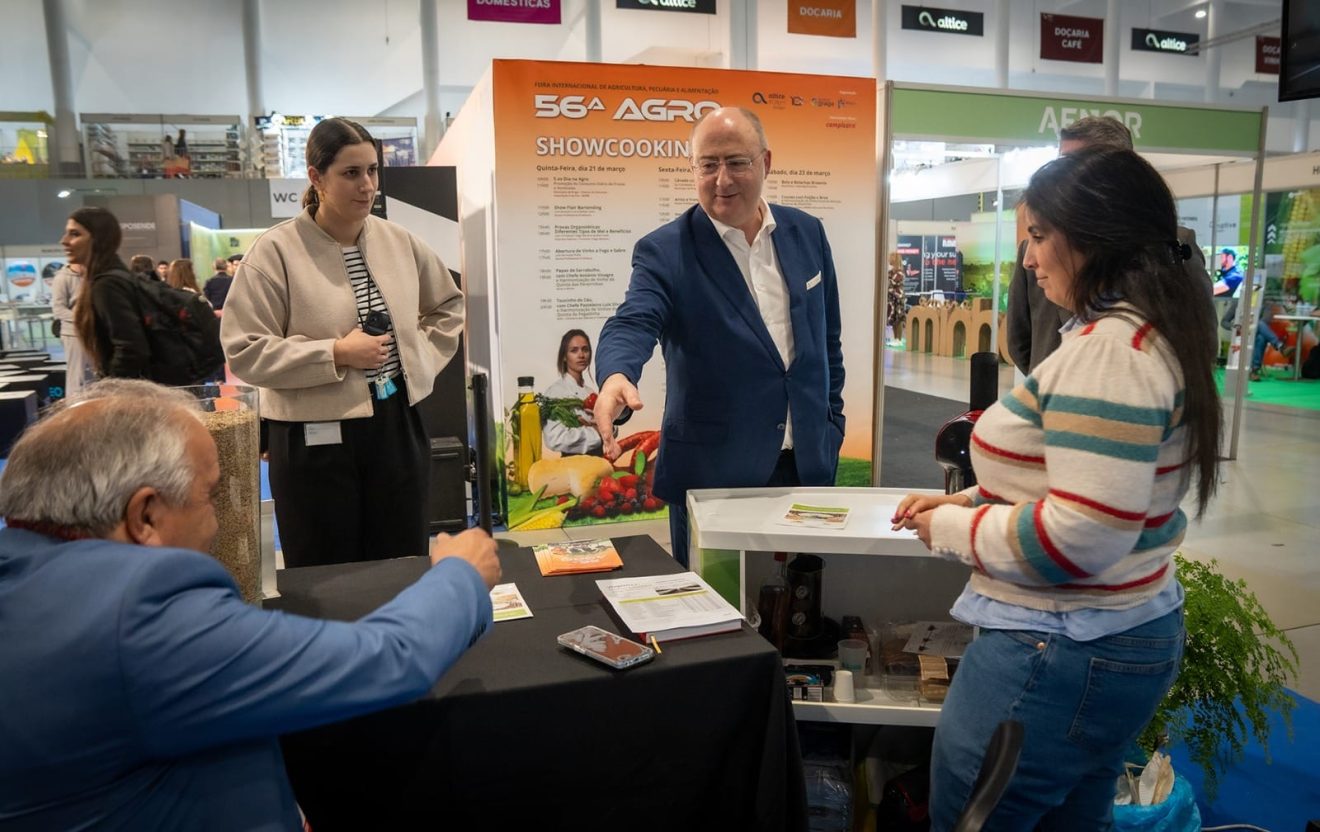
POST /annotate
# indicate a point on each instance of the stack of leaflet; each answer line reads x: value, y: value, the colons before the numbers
x: 670, y: 607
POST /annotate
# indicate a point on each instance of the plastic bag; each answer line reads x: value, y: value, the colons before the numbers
x: 1176, y: 814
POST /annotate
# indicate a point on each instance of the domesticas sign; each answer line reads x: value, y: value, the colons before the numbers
x: 514, y: 11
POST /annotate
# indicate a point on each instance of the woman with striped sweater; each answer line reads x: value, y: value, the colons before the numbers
x: 1071, y: 531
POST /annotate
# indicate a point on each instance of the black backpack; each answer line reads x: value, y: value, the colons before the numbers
x: 182, y: 332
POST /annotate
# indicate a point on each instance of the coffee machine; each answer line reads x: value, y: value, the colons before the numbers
x: 807, y: 634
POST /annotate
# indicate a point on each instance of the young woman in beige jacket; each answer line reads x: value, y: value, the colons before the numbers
x: 343, y: 320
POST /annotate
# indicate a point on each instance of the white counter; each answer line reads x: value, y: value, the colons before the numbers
x: 731, y: 530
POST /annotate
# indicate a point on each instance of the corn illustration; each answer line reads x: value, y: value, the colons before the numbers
x: 1299, y: 234
x: 551, y: 518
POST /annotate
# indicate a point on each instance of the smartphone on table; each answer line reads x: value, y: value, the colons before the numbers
x: 606, y: 647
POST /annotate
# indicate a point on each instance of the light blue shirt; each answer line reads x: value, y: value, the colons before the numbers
x: 1079, y: 625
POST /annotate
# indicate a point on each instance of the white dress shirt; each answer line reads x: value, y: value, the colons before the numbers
x: 760, y: 270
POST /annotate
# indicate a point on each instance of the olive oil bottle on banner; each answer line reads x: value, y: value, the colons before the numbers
x: 529, y: 429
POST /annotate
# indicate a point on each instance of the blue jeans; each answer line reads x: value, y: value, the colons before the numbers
x: 1264, y: 335
x: 1082, y: 703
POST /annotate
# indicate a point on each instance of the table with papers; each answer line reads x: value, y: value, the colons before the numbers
x: 525, y: 733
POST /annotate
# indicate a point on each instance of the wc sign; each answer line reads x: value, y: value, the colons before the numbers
x: 286, y: 197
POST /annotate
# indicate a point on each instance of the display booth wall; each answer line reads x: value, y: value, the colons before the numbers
x: 29, y: 272
x: 980, y: 116
x: 563, y: 167
x: 1290, y: 222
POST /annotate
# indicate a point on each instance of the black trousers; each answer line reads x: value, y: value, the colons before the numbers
x: 785, y: 474
x: 363, y: 499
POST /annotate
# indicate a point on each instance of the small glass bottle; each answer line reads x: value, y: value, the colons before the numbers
x: 529, y: 428
x: 772, y: 603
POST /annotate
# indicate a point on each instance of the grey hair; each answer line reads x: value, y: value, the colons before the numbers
x: 751, y: 117
x: 79, y: 473
x: 1098, y: 131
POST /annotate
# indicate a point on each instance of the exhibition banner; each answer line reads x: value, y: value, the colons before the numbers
x: 29, y: 272
x: 1068, y: 38
x: 960, y: 115
x: 931, y: 263
x: 829, y: 18
x: 589, y: 158
x: 1268, y: 51
x: 909, y: 254
x: 1292, y: 244
x: 514, y: 11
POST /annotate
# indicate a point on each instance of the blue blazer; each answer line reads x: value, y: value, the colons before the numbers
x: 138, y: 691
x: 727, y: 389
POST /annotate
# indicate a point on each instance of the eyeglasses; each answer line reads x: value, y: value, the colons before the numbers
x: 736, y: 166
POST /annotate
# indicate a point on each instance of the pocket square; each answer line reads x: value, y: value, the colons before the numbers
x: 813, y: 282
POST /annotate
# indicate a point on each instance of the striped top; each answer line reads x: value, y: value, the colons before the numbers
x: 1081, y: 470
x: 369, y: 299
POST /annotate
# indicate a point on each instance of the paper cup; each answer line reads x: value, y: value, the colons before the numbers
x: 843, y: 686
x: 852, y: 654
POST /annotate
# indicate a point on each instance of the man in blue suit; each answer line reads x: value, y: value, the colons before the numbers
x: 742, y: 298
x: 138, y: 690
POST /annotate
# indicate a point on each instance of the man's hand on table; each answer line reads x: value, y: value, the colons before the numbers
x: 474, y: 546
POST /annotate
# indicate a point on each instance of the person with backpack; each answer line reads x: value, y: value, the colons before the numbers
x: 132, y: 327
x: 106, y: 313
x: 343, y: 320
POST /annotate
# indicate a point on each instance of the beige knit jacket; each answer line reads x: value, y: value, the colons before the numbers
x: 291, y: 300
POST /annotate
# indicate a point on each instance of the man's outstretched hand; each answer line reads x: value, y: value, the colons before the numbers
x: 616, y: 393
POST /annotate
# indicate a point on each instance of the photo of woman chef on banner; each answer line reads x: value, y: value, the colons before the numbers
x: 557, y: 473
x: 573, y: 362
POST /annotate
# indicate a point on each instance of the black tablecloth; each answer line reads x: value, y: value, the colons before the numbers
x: 523, y: 732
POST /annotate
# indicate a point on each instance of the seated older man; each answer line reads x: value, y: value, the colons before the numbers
x: 137, y: 690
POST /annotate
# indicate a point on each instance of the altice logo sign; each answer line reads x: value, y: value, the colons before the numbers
x: 948, y: 21
x: 1156, y: 40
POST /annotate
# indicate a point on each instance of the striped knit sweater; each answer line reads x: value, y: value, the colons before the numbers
x: 1081, y: 470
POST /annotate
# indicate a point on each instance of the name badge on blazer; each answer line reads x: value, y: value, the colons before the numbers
x: 321, y: 433
x: 813, y: 282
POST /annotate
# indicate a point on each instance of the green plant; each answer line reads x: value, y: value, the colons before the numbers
x: 1233, y: 672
